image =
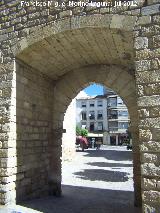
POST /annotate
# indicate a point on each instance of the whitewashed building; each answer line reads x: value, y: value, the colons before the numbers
x: 91, y: 114
x: 104, y: 115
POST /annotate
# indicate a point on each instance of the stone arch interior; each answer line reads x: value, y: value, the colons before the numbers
x: 90, y: 75
x: 40, y: 112
x: 49, y: 74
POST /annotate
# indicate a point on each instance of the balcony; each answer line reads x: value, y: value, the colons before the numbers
x: 112, y: 105
x: 113, y: 129
x: 116, y: 130
x: 114, y: 116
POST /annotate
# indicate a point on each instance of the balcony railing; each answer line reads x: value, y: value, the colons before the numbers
x: 113, y: 129
x: 112, y: 116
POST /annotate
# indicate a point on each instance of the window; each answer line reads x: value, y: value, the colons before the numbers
x: 120, y: 101
x: 100, y: 114
x: 100, y: 126
x: 83, y: 104
x: 91, y: 127
x: 112, y: 102
x: 112, y: 114
x: 122, y: 125
x: 91, y: 104
x: 99, y: 103
x: 91, y: 115
x: 84, y: 117
x: 123, y: 113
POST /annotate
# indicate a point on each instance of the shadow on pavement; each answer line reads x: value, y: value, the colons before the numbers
x: 86, y: 200
x: 110, y: 154
x: 103, y: 164
x: 102, y: 175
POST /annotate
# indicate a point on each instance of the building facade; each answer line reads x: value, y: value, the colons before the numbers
x: 91, y: 113
x: 117, y: 118
x: 105, y: 116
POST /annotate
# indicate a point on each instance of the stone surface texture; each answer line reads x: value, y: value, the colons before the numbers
x: 47, y: 55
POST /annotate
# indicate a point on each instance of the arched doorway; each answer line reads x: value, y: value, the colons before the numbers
x: 125, y: 87
x: 50, y: 70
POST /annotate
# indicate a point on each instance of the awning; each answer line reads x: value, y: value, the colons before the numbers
x: 94, y: 135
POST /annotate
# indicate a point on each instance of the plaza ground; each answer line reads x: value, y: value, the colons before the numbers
x: 96, y: 181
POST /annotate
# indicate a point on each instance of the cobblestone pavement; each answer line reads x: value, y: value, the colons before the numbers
x: 97, y: 181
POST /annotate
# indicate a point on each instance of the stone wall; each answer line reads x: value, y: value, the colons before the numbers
x: 16, y: 23
x: 34, y: 131
x: 148, y: 88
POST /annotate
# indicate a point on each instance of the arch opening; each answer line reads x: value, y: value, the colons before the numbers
x: 88, y: 168
x: 45, y: 87
x: 131, y: 108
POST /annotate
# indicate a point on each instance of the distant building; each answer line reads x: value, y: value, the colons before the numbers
x: 104, y: 116
x: 117, y: 118
x: 91, y: 114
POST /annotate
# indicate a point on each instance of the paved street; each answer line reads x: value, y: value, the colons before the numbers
x: 108, y: 168
x: 97, y: 181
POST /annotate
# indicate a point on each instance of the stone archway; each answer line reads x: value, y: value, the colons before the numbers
x: 87, y: 49
x: 111, y: 76
x: 43, y: 60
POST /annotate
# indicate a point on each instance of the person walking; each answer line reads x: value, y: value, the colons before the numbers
x: 98, y: 144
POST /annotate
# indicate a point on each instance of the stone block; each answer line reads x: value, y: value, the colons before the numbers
x: 155, y: 63
x: 149, y: 101
x: 9, y: 179
x: 154, y: 111
x: 144, y: 20
x: 156, y: 19
x: 145, y: 135
x: 149, y: 184
x: 143, y: 65
x: 149, y: 208
x: 141, y: 43
x: 65, y: 13
x: 150, y: 158
x: 156, y: 41
x: 150, y: 123
x: 156, y: 134
x: 7, y: 187
x: 150, y: 170
x: 140, y: 90
x: 152, y: 89
x: 151, y: 196
x: 7, y: 172
x: 121, y: 22
x: 150, y: 146
x: 148, y: 77
x: 143, y: 113
x: 152, y: 9
x: 150, y: 30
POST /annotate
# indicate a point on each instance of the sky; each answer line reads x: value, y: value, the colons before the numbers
x: 94, y: 89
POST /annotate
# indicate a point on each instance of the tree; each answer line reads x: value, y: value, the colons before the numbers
x: 81, y: 132
x: 84, y: 132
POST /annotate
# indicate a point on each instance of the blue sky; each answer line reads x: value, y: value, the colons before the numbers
x: 94, y: 89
